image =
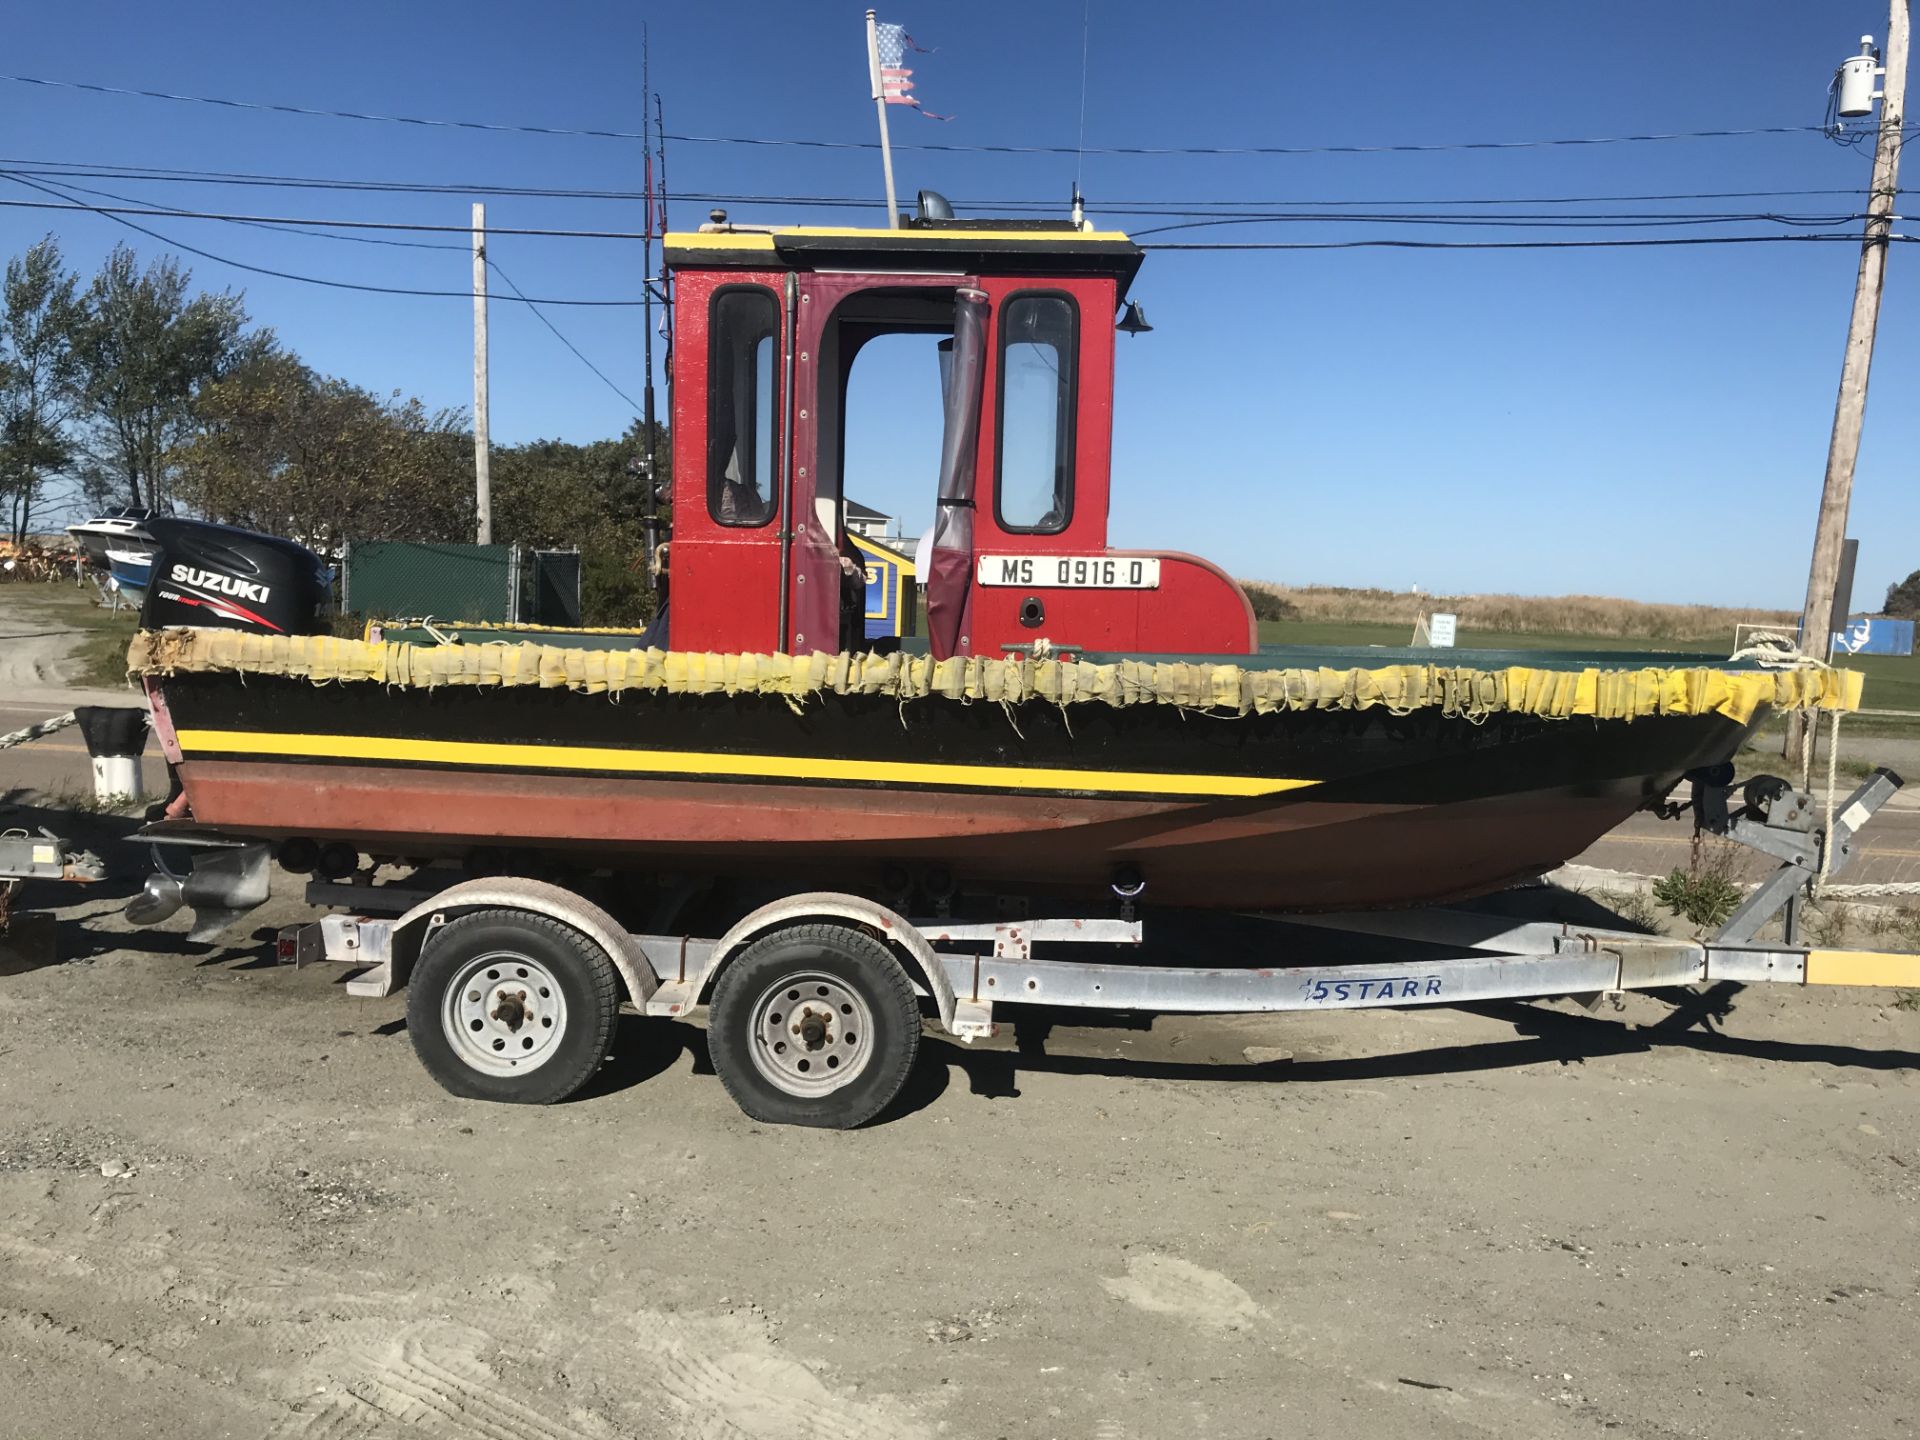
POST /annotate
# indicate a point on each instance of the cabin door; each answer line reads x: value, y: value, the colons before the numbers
x: 837, y: 313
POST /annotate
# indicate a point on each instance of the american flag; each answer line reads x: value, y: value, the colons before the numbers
x: 896, y: 79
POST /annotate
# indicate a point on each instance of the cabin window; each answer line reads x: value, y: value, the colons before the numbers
x: 1034, y: 493
x: 742, y: 390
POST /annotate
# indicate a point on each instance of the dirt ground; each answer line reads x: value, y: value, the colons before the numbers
x: 232, y: 1204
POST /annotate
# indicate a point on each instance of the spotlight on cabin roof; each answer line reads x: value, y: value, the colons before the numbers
x: 935, y: 206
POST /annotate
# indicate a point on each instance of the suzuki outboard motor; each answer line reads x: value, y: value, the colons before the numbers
x: 217, y: 576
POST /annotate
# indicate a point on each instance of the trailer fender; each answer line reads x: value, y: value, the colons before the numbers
x: 921, y: 964
x: 409, y: 932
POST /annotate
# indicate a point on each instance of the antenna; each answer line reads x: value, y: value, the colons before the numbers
x: 650, y: 499
x: 1080, y: 147
x: 666, y: 300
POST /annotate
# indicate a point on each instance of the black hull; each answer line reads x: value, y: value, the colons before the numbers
x: 1300, y: 810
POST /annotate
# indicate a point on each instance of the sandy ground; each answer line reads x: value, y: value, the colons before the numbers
x: 233, y: 1205
x: 36, y: 645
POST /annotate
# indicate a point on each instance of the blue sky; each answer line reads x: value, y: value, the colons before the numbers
x: 1648, y: 423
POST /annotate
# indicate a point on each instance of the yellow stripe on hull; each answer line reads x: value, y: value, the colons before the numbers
x: 757, y: 767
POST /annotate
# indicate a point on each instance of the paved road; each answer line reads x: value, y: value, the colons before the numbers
x: 1888, y: 851
x: 58, y: 763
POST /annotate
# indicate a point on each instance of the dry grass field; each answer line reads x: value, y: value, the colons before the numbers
x: 1583, y: 615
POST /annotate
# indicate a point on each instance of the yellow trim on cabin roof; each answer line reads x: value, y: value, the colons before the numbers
x: 706, y: 765
x: 764, y: 240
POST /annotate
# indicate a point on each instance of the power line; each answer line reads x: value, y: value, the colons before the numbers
x: 1613, y: 244
x: 540, y: 315
x: 283, y: 221
x: 288, y: 228
x: 115, y: 214
x: 285, y: 227
x: 1519, y: 220
x: 863, y: 145
x: 1122, y: 205
x: 120, y: 219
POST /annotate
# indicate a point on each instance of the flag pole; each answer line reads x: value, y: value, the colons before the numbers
x: 880, y: 109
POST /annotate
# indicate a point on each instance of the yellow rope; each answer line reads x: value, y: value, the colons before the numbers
x: 1220, y: 689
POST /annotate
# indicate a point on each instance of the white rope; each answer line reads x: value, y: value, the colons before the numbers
x: 34, y: 732
x: 1776, y: 650
x: 1833, y: 769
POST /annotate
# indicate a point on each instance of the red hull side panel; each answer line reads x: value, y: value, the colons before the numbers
x: 1286, y: 853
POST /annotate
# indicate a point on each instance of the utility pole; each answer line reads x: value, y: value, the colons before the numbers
x: 482, y: 448
x: 1849, y: 411
x: 880, y: 109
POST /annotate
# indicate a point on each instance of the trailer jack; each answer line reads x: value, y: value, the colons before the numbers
x: 1777, y: 820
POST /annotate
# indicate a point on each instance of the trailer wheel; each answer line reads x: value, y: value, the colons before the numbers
x: 509, y: 1005
x: 814, y: 1025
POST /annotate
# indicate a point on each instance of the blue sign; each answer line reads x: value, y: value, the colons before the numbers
x: 1874, y: 635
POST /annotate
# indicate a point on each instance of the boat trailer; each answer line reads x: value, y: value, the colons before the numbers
x: 815, y: 1001
x: 27, y: 938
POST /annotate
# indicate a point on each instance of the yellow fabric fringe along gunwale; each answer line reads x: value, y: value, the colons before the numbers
x: 1235, y: 689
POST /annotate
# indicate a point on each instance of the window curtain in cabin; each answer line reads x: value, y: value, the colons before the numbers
x: 949, y: 586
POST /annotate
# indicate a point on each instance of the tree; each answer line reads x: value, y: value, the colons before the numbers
x: 145, y: 349
x: 553, y: 492
x: 1903, y: 600
x: 279, y: 448
x: 39, y: 377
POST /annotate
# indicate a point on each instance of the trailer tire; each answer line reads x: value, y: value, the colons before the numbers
x: 512, y: 1006
x: 814, y: 1025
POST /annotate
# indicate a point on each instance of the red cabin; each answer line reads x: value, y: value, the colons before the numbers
x: 768, y: 325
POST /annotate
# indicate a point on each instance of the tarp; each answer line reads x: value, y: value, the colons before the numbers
x: 1224, y: 689
x: 949, y: 585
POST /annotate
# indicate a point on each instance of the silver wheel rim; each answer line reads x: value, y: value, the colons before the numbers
x: 504, y: 1014
x: 812, y: 1034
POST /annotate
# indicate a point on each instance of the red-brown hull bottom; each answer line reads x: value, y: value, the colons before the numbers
x: 1284, y: 852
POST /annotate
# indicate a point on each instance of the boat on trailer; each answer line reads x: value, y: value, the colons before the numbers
x: 1079, y: 713
x: 823, y: 840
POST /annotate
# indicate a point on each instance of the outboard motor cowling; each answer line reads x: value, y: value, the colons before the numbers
x: 221, y: 577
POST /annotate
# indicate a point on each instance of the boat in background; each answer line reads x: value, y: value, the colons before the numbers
x: 122, y: 527
x: 118, y: 543
x: 131, y: 567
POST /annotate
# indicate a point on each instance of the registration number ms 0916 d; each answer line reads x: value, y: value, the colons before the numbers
x: 1071, y: 572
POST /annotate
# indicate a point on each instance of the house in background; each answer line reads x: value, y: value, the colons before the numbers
x: 891, y: 590
x: 865, y: 521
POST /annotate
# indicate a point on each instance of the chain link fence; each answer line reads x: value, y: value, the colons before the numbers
x: 466, y: 584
